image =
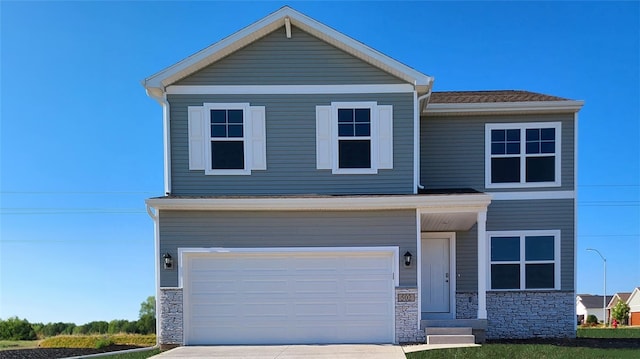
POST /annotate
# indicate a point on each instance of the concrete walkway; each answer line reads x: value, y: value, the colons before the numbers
x: 338, y: 351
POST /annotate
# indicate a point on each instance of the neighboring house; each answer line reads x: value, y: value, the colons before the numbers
x: 618, y: 297
x: 319, y: 191
x: 634, y: 307
x: 587, y: 304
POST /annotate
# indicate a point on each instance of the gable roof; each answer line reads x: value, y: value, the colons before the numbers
x: 283, y: 18
x: 592, y: 301
x: 622, y: 297
x: 634, y: 294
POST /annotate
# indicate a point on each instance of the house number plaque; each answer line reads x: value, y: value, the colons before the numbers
x: 406, y: 297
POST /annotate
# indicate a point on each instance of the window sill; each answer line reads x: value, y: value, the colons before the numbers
x: 354, y: 171
x: 227, y: 172
x: 523, y: 185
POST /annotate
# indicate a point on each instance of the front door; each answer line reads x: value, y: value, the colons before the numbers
x: 436, y: 276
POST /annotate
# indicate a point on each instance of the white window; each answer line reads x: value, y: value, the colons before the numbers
x: 525, y: 260
x: 354, y: 137
x: 227, y: 138
x: 523, y: 155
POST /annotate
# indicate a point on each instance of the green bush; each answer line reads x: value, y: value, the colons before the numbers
x: 103, y: 342
x: 592, y: 319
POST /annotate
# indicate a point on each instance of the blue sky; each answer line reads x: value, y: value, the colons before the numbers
x: 81, y: 143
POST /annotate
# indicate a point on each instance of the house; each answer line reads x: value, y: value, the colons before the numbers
x: 319, y: 191
x: 634, y: 307
x: 587, y: 304
x: 618, y: 297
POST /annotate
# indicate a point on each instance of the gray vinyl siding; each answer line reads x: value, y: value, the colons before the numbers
x: 453, y: 150
x: 291, y: 149
x: 249, y: 229
x: 520, y: 216
x: 301, y: 60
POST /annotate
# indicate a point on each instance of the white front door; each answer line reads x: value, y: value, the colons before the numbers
x: 436, y: 275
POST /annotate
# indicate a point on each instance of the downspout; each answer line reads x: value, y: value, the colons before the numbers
x: 418, y: 111
x: 161, y: 96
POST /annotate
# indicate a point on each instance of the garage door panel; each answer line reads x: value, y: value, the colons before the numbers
x: 288, y: 298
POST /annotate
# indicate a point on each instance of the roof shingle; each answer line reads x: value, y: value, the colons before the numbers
x: 490, y: 96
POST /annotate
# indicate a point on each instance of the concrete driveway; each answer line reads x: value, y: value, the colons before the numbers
x: 337, y: 351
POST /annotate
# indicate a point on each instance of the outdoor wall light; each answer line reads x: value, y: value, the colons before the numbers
x: 167, y: 261
x: 407, y: 258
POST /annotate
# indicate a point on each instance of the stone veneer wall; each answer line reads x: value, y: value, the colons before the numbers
x: 467, y: 305
x: 408, y: 316
x: 529, y: 314
x: 171, y: 323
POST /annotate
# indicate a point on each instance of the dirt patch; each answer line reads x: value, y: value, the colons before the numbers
x: 53, y: 353
x: 602, y: 343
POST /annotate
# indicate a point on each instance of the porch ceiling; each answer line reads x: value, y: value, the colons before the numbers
x: 447, y: 222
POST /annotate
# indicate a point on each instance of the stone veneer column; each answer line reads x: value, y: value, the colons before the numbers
x: 408, y: 316
x: 529, y: 314
x: 170, y: 316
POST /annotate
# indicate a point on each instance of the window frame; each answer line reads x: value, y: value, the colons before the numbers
x: 372, y: 138
x: 523, y: 127
x: 522, y: 262
x: 246, y: 136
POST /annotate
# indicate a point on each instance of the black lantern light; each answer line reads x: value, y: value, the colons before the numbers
x: 407, y: 258
x: 168, y: 261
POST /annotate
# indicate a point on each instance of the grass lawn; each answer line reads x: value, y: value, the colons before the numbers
x: 591, y: 344
x: 620, y: 332
x: 18, y: 344
x: 526, y: 351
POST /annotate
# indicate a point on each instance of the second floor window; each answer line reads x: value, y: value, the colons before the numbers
x: 523, y: 155
x: 354, y: 138
x: 227, y: 139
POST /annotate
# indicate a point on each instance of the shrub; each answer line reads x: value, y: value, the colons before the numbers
x: 592, y: 319
x: 620, y: 312
x: 103, y: 342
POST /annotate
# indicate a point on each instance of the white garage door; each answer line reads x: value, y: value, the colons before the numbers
x: 288, y: 297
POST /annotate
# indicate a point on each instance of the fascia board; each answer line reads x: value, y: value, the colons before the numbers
x: 504, y: 107
x: 270, y: 23
x: 426, y: 204
x: 636, y: 291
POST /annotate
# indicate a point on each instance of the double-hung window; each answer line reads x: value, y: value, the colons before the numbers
x: 523, y: 155
x: 524, y: 260
x: 354, y: 137
x: 227, y: 138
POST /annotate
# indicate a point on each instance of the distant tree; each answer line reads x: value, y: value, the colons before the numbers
x: 15, y: 328
x: 620, y: 312
x: 97, y: 327
x: 147, y: 316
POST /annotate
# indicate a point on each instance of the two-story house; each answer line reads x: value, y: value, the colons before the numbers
x: 319, y: 191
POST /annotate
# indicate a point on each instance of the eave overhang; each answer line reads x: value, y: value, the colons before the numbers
x: 425, y: 203
x: 283, y: 18
x: 490, y: 108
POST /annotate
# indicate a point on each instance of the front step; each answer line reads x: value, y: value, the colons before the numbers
x: 449, y: 335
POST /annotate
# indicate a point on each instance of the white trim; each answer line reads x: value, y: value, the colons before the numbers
x: 426, y: 204
x: 157, y: 266
x: 522, y: 127
x: 483, y: 272
x: 287, y: 89
x: 504, y: 107
x: 515, y: 196
x: 373, y: 141
x: 556, y: 233
x: 451, y: 236
x: 416, y: 143
x: 166, y: 119
x: 246, y: 136
x: 270, y: 23
x: 575, y: 204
